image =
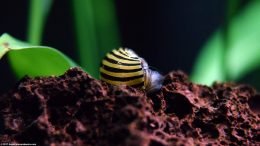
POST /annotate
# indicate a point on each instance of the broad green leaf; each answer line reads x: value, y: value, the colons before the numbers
x: 26, y: 59
x: 242, y: 54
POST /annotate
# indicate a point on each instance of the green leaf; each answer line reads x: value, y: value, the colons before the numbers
x: 86, y: 36
x: 232, y: 8
x: 96, y: 31
x: 39, y: 10
x: 27, y: 59
x: 106, y: 23
x: 242, y: 54
x: 208, y: 67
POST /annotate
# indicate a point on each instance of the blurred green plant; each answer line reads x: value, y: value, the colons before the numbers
x: 96, y: 31
x: 39, y: 10
x: 26, y: 59
x: 239, y: 48
x: 96, y: 34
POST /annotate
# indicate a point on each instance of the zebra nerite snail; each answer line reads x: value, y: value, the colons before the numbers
x: 124, y: 67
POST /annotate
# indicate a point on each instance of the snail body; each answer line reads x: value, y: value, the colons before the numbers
x: 124, y: 67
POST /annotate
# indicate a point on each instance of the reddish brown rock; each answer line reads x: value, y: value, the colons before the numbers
x: 75, y: 109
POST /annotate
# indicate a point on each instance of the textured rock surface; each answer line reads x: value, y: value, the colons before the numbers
x: 75, y: 109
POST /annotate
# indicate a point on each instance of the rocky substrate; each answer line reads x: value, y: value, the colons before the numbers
x: 75, y: 109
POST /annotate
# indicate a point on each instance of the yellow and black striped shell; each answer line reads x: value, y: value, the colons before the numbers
x: 124, y: 67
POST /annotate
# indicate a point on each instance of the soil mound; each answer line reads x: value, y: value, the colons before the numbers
x: 75, y: 109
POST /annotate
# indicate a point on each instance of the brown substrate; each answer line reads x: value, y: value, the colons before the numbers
x: 75, y: 109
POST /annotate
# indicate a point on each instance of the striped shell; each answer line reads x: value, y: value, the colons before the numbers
x: 123, y: 67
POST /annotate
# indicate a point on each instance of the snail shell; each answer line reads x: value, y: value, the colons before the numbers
x: 124, y: 67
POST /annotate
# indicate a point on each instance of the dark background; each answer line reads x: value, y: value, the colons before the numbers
x: 167, y: 33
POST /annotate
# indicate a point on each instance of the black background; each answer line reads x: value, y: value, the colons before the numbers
x: 167, y: 33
